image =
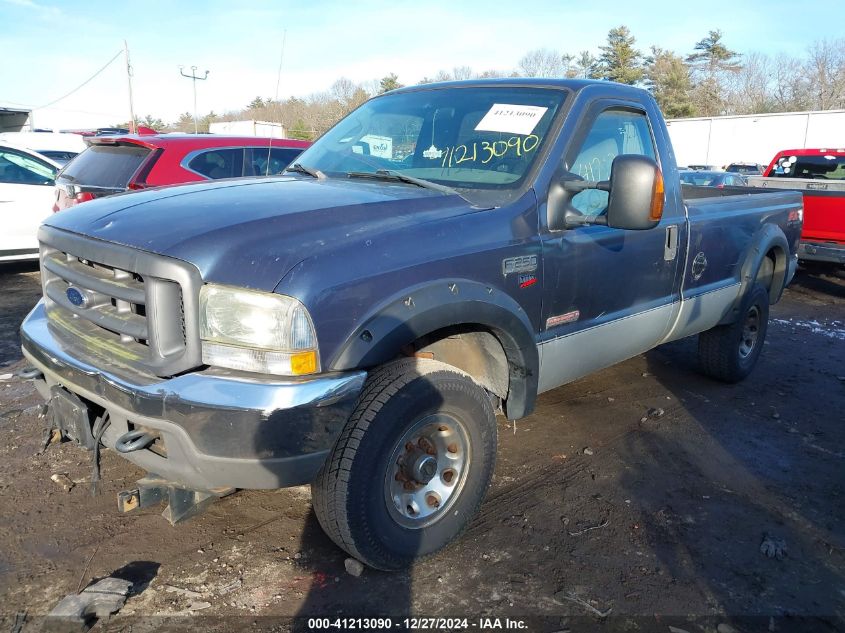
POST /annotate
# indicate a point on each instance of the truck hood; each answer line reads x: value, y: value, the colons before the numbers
x: 251, y: 232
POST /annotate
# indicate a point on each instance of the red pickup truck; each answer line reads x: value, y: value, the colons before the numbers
x: 820, y: 175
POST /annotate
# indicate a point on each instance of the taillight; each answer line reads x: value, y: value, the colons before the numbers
x: 83, y: 196
x: 135, y: 186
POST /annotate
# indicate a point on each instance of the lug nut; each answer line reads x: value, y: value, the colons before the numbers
x: 448, y: 476
x: 452, y: 448
x: 432, y: 501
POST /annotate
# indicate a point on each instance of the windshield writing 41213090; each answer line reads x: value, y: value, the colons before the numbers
x: 485, y: 151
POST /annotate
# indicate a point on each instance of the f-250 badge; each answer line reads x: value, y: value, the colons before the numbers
x: 524, y: 264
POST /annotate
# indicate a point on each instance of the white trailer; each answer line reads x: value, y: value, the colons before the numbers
x: 248, y: 128
x: 753, y: 138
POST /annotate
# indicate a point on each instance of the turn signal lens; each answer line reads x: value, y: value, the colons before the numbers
x: 303, y: 363
x: 658, y: 196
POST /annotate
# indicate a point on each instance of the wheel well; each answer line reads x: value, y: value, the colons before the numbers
x: 472, y: 349
x: 772, y: 273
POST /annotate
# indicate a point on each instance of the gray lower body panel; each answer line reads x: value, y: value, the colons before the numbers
x: 570, y: 357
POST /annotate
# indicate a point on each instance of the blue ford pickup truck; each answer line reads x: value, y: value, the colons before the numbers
x: 443, y: 252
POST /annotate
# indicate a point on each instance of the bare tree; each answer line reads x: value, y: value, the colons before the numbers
x: 462, y: 72
x: 825, y: 72
x: 544, y: 62
x: 750, y: 88
x: 791, y: 90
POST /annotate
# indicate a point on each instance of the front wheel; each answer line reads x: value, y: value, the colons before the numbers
x: 411, y: 467
x: 729, y: 352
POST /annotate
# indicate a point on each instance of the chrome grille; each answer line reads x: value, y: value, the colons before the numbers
x: 114, y: 299
x: 126, y: 306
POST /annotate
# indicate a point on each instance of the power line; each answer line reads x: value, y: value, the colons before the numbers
x: 118, y: 54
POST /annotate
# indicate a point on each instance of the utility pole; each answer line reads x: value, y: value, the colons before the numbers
x: 194, y: 78
x: 132, y: 128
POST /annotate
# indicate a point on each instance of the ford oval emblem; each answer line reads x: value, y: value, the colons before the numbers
x: 76, y: 297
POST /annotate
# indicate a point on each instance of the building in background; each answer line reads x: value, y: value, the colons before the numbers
x: 753, y: 138
x: 248, y: 128
x: 15, y: 120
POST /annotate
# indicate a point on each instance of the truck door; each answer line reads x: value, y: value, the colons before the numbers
x: 608, y: 292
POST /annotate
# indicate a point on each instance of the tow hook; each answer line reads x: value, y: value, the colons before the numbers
x: 182, y: 503
x: 134, y: 441
x: 29, y: 373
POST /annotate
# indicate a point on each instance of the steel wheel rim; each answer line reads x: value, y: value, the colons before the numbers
x: 439, y: 439
x: 750, y: 332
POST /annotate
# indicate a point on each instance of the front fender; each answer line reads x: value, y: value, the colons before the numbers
x: 426, y: 308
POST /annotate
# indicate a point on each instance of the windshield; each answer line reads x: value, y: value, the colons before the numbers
x: 480, y: 141
x: 823, y: 167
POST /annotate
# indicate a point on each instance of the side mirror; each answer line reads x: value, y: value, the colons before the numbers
x: 635, y: 195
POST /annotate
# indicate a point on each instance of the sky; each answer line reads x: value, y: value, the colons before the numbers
x: 51, y: 47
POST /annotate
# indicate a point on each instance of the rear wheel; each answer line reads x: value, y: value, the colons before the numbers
x: 729, y: 352
x: 411, y: 467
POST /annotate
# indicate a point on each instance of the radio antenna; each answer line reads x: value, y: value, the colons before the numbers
x: 276, y: 100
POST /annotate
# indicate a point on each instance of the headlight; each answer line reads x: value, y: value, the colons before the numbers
x: 256, y: 331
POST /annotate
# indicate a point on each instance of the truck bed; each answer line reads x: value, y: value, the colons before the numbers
x: 723, y: 221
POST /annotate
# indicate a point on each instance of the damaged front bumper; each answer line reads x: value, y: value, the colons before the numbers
x: 213, y: 429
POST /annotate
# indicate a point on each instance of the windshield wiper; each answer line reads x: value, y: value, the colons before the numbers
x: 386, y: 174
x: 299, y: 168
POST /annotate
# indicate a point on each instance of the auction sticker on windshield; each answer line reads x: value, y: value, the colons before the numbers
x: 511, y: 119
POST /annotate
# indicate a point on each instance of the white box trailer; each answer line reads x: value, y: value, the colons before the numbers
x: 248, y: 128
x: 753, y: 138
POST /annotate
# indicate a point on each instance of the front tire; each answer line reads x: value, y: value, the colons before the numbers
x: 411, y: 466
x: 729, y: 352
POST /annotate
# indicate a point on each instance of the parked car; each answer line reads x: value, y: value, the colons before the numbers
x: 820, y: 175
x: 702, y: 168
x: 26, y: 191
x: 718, y: 179
x: 59, y: 147
x: 117, y: 163
x: 746, y: 169
x: 443, y: 251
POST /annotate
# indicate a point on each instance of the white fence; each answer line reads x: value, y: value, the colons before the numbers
x: 753, y: 138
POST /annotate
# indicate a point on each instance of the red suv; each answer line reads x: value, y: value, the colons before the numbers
x: 112, y: 164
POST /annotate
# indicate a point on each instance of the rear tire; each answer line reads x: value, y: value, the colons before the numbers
x: 729, y: 352
x: 411, y: 466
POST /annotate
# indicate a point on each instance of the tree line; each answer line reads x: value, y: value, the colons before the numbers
x: 710, y: 79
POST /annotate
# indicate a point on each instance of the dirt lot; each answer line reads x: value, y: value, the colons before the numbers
x: 596, y: 506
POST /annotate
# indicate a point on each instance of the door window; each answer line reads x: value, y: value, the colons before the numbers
x: 20, y: 169
x: 219, y: 163
x: 614, y: 132
x: 256, y: 161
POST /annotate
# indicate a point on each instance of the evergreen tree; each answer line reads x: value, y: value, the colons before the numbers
x: 668, y: 78
x: 711, y: 62
x: 388, y: 83
x: 619, y: 60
